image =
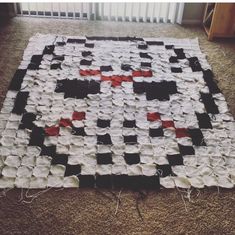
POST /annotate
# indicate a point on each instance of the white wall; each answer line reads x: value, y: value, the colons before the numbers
x: 193, y: 13
x: 7, y: 10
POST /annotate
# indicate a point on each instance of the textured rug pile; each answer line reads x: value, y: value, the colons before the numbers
x: 115, y: 112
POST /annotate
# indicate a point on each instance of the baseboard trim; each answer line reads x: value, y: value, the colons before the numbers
x: 191, y: 22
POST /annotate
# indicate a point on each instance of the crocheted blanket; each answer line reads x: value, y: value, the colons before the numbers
x: 115, y: 112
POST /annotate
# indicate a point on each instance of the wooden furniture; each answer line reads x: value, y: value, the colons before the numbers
x: 219, y: 20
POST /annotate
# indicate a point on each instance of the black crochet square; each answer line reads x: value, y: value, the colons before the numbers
x: 72, y: 170
x: 157, y: 132
x: 132, y: 158
x: 104, y: 139
x: 104, y: 158
x: 197, y: 137
x: 175, y: 159
x: 129, y: 123
x: 17, y: 79
x: 164, y: 170
x: 20, y: 103
x: 103, y: 123
x: 186, y: 150
x: 86, y: 181
x: 204, y: 121
x: 130, y: 139
x: 104, y: 181
x: 61, y: 159
x: 27, y: 121
x: 78, y: 131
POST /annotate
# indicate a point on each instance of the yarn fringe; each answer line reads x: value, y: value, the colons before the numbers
x: 187, y: 196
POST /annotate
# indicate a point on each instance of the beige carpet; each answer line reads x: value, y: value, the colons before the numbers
x: 93, y: 212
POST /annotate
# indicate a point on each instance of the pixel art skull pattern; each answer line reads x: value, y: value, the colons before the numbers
x: 115, y: 112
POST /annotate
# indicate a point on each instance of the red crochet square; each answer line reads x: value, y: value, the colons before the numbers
x: 52, y: 131
x: 181, y: 132
x: 153, y: 117
x: 116, y: 83
x: 127, y: 78
x: 84, y: 72
x: 147, y: 73
x: 168, y: 124
x: 137, y: 73
x: 116, y: 78
x: 106, y: 78
x: 78, y: 116
x: 94, y: 72
x: 89, y: 72
x: 65, y: 122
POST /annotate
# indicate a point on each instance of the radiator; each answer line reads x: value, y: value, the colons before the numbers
x: 136, y: 12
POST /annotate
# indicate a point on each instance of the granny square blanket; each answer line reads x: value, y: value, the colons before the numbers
x: 115, y: 112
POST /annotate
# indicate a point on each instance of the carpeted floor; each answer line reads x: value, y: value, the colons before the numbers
x: 93, y: 212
